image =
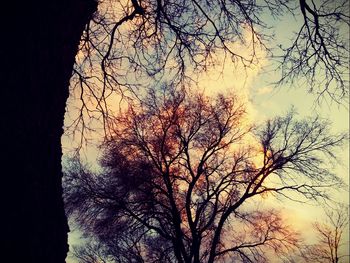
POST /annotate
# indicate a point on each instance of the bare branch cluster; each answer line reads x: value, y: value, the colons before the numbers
x: 330, y: 247
x: 320, y: 51
x: 130, y: 44
x: 181, y: 174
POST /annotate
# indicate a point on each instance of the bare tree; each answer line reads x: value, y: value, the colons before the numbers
x: 182, y: 171
x: 320, y: 51
x: 91, y: 252
x: 331, y: 247
x: 130, y: 44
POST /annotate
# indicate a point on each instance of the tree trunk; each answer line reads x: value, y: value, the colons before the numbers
x: 38, y: 46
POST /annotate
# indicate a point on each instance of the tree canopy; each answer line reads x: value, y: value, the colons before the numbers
x: 181, y: 174
x: 181, y: 171
x: 133, y: 44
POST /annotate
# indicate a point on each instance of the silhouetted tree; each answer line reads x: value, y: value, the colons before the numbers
x: 130, y: 43
x: 331, y: 247
x: 39, y: 42
x: 91, y: 252
x: 180, y: 175
x: 320, y: 52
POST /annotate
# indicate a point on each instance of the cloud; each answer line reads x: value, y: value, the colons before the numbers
x: 264, y: 90
x: 226, y: 76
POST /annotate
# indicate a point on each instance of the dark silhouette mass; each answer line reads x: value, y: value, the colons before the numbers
x: 39, y: 42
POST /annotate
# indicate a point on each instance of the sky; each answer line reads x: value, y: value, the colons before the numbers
x: 265, y: 101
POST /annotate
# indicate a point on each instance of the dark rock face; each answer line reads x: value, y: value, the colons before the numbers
x: 38, y: 45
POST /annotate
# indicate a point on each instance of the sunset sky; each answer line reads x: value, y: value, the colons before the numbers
x: 265, y: 101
